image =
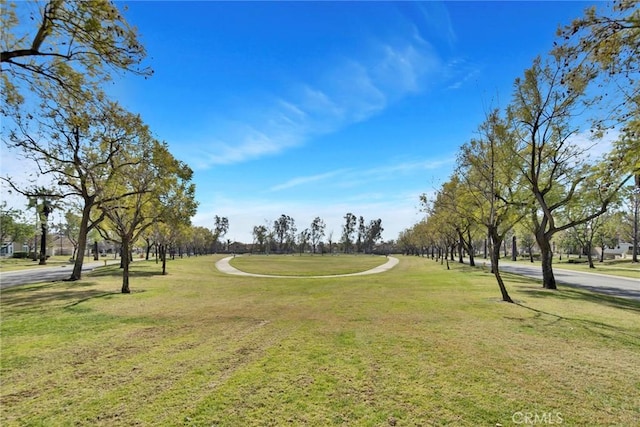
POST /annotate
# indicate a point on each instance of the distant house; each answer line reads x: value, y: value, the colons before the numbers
x: 8, y: 248
x: 622, y: 250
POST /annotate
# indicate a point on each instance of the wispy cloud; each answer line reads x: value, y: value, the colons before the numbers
x: 348, y: 91
x: 355, y: 177
x: 295, y: 182
x: 594, y: 148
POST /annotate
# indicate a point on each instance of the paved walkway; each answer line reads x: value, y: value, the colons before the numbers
x: 224, y: 266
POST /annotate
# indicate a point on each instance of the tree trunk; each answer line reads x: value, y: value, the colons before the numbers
x: 514, y: 249
x: 548, y: 279
x: 163, y: 251
x: 460, y: 248
x: 470, y: 249
x: 124, y: 262
x: 82, y: 242
x: 96, y: 257
x: 495, y: 257
x: 636, y: 218
x: 43, y: 243
x: 148, y: 250
x: 589, y: 256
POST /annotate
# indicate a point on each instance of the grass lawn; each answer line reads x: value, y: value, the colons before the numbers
x: 417, y: 345
x: 306, y: 265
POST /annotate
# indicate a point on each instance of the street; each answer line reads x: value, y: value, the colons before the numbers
x: 46, y: 274
x: 600, y: 283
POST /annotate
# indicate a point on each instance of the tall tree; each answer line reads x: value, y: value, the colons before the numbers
x: 76, y: 142
x: 303, y: 240
x: 317, y: 232
x: 350, y: 221
x: 492, y: 190
x: 361, y: 234
x: 220, y: 227
x: 12, y: 228
x: 284, y: 229
x: 70, y: 229
x: 372, y: 234
x: 544, y: 104
x: 259, y: 236
x: 608, y: 37
x: 158, y: 189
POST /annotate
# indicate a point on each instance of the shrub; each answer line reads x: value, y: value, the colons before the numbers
x: 21, y: 255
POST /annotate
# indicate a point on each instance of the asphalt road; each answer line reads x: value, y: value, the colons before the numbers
x: 600, y: 283
x: 46, y: 274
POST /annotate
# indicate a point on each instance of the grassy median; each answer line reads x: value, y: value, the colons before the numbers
x: 306, y: 264
x: 417, y: 345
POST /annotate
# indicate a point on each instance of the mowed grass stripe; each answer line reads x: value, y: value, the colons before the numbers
x: 415, y: 345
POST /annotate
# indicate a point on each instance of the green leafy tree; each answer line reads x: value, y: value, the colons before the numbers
x: 557, y: 171
x: 373, y: 234
x: 70, y: 229
x: 361, y: 234
x: 65, y: 43
x: 349, y: 227
x: 77, y: 142
x: 13, y: 229
x: 157, y: 189
x: 202, y: 240
x: 607, y: 38
x: 317, y: 232
x: 491, y: 188
x: 260, y: 236
x: 303, y: 240
x: 221, y: 227
x: 284, y: 229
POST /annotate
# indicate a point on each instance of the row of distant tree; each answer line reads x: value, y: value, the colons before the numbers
x: 613, y: 229
x: 525, y: 168
x: 282, y: 235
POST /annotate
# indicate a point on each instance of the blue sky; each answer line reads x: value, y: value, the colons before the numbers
x: 322, y: 108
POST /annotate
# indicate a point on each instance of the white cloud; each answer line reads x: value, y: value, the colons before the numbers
x: 294, y: 182
x: 594, y: 148
x: 348, y: 91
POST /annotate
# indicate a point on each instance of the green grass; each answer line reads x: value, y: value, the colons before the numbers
x: 306, y: 265
x: 417, y: 345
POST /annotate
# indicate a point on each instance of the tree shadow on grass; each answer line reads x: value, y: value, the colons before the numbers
x: 567, y: 292
x: 604, y: 330
x: 118, y: 273
x: 60, y: 293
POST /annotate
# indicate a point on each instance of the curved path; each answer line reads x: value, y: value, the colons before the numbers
x: 224, y: 266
